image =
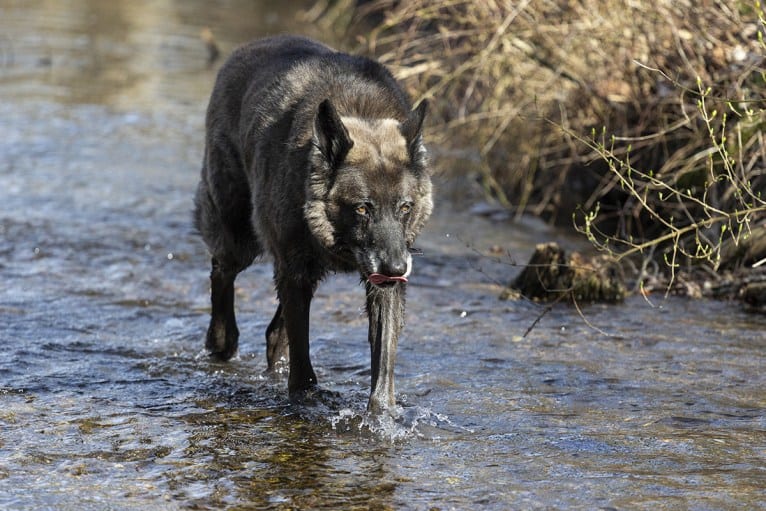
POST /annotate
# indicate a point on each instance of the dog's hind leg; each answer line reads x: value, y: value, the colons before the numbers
x: 277, y: 345
x: 223, y: 216
x: 222, y: 334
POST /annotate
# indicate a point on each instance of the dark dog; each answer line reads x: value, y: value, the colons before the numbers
x: 317, y: 157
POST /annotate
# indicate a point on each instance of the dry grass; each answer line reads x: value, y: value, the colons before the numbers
x: 650, y: 111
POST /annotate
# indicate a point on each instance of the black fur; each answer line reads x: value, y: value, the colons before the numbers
x: 284, y: 173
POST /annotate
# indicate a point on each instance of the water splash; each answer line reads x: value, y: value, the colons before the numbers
x: 403, y: 425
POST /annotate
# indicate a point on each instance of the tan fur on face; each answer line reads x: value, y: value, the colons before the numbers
x: 380, y: 154
x: 376, y: 140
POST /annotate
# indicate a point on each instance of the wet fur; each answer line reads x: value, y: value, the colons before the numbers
x: 315, y: 157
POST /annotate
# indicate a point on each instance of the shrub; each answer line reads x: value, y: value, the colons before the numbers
x: 644, y: 117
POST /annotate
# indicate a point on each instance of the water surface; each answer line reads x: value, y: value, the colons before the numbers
x: 107, y: 401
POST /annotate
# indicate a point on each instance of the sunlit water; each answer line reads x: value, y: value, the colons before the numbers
x: 107, y: 401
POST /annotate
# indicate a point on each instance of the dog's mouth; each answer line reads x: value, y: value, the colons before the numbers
x: 379, y: 279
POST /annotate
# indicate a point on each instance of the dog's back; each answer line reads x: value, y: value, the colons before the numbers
x: 254, y: 69
x: 288, y: 75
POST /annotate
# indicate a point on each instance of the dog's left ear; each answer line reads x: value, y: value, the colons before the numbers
x: 412, y: 130
x: 330, y: 135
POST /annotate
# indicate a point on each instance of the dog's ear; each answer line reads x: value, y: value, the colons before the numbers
x: 330, y: 135
x: 412, y: 130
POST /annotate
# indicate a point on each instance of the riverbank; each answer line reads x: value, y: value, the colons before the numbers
x: 639, y: 122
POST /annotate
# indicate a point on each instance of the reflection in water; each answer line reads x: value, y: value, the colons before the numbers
x: 106, y: 400
x: 127, y: 54
x: 282, y: 459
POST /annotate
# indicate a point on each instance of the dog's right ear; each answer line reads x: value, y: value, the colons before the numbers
x: 330, y: 135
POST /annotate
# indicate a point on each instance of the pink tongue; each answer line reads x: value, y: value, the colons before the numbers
x: 379, y: 278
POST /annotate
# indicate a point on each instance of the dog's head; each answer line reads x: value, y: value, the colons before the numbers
x: 369, y: 191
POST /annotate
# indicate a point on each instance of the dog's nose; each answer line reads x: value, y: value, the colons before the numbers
x: 396, y: 267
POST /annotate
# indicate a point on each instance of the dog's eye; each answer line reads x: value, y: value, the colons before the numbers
x: 362, y: 210
x: 404, y: 209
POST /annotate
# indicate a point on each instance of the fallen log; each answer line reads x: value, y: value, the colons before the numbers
x: 551, y: 275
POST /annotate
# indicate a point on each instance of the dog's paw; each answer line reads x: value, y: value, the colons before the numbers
x: 316, y: 396
x: 222, y: 341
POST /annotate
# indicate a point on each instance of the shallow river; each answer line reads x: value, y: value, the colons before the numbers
x: 107, y: 401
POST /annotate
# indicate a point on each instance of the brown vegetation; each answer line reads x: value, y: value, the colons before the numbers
x: 642, y: 118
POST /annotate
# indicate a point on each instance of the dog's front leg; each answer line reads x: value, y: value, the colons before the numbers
x: 385, y: 309
x: 295, y: 299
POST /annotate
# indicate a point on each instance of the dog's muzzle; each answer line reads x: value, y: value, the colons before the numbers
x: 381, y: 278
